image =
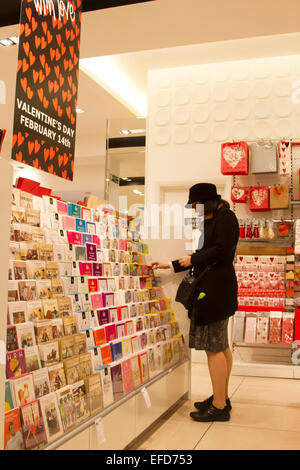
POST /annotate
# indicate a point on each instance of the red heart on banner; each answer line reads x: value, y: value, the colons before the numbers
x: 69, y: 96
x: 66, y: 64
x: 52, y: 53
x: 35, y: 75
x: 30, y: 147
x: 15, y: 137
x: 28, y: 13
x: 20, y: 139
x: 68, y: 111
x: 25, y: 65
x: 58, y: 55
x: 35, y: 163
x: 50, y: 86
x: 71, y: 49
x: 45, y: 27
x: 29, y: 93
x: 66, y: 159
x: 19, y: 156
x: 26, y: 47
x: 61, y: 80
x: 73, y: 119
x: 50, y: 169
x: 46, y: 154
x: 74, y: 89
x: 59, y: 111
x: 44, y: 43
x: 68, y: 34
x: 31, y: 58
x: 60, y: 160
x: 52, y: 152
x: 75, y: 59
x: 45, y: 102
x: 63, y: 49
x: 58, y: 39
x: 37, y: 41
x: 49, y: 37
x: 47, y: 69
x: 43, y: 60
x: 70, y: 80
x: 41, y: 76
x: 41, y: 94
x: 27, y: 30
x: 72, y: 166
x: 34, y: 24
x: 22, y: 27
x: 55, y: 103
x: 64, y: 95
x: 24, y: 83
x: 37, y: 146
x: 56, y: 87
x: 56, y: 70
x: 19, y: 65
x: 64, y: 174
x: 54, y: 22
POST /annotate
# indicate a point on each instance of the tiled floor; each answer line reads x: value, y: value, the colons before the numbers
x: 265, y: 415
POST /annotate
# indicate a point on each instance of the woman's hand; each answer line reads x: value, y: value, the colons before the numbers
x: 185, y: 261
x: 158, y: 265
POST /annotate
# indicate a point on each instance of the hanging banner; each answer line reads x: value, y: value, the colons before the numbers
x: 47, y: 85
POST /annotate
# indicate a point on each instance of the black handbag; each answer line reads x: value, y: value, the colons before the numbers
x: 186, y: 290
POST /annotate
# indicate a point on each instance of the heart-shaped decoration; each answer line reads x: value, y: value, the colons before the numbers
x: 259, y: 196
x: 233, y: 156
x: 238, y: 193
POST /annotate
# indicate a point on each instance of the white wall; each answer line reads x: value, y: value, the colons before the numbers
x: 192, y: 110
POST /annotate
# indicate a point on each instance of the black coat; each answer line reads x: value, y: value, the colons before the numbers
x: 219, y: 284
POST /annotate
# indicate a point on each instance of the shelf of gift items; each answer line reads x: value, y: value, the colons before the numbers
x: 91, y: 419
x: 261, y: 345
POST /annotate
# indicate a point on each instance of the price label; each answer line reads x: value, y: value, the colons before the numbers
x: 100, y: 431
x: 146, y: 396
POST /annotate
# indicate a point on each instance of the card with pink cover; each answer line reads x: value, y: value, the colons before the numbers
x: 123, y: 245
x: 62, y: 208
x: 96, y: 299
x: 85, y: 269
x: 68, y: 222
x: 127, y: 376
x: 75, y: 238
x: 110, y: 331
x: 96, y: 240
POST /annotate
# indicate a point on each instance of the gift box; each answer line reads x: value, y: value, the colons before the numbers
x: 250, y: 328
x: 239, y: 194
x: 239, y: 327
x: 235, y: 158
x: 275, y: 327
x: 287, y: 328
x: 284, y: 157
x: 279, y: 196
x: 262, y: 327
x: 260, y: 198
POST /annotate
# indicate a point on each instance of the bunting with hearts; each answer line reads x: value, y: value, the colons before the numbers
x: 47, y: 86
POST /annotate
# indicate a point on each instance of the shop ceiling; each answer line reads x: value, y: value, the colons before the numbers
x: 160, y: 34
x: 10, y: 11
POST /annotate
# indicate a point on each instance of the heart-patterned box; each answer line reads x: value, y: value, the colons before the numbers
x: 259, y: 198
x: 235, y: 158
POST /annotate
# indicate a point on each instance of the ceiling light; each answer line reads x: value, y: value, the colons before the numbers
x: 107, y: 179
x: 79, y: 111
x: 108, y: 74
x: 137, y: 131
x: 136, y: 191
x: 6, y: 42
x: 132, y: 131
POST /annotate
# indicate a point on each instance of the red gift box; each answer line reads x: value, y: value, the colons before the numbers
x: 239, y: 194
x: 235, y: 158
x: 260, y: 198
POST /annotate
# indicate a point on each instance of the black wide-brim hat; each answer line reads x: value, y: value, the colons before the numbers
x: 202, y: 192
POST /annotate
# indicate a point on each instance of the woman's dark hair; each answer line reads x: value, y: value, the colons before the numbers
x: 210, y: 207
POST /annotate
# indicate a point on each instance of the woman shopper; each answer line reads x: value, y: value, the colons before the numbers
x: 215, y: 298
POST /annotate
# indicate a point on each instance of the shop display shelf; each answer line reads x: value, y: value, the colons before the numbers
x: 261, y: 345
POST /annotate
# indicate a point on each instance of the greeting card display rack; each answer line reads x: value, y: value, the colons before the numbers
x: 89, y: 326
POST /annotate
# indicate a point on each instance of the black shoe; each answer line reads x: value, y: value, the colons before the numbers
x: 211, y: 414
x: 201, y: 405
